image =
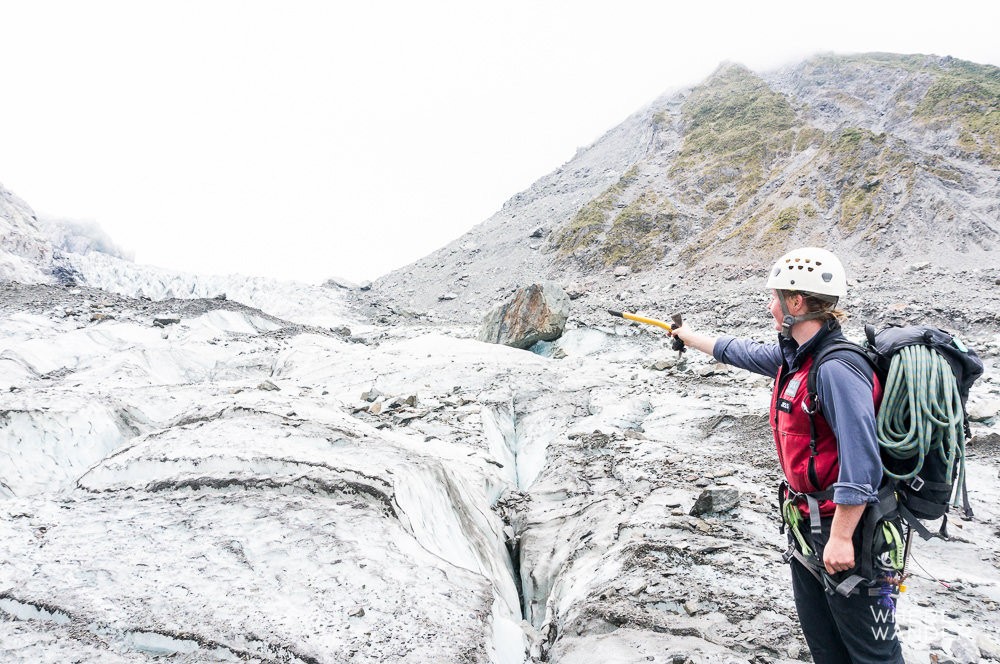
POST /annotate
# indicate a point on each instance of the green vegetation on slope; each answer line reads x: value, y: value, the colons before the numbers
x: 588, y: 223
x: 735, y: 125
x: 909, y: 62
x: 960, y: 91
x: 970, y: 94
x: 636, y: 237
x: 753, y: 175
x: 864, y: 162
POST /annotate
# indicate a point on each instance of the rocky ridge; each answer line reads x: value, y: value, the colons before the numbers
x: 25, y: 253
x: 890, y: 160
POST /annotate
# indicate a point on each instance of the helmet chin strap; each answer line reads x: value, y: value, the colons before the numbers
x: 788, y: 320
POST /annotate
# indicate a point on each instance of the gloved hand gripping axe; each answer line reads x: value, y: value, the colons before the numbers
x: 676, y: 344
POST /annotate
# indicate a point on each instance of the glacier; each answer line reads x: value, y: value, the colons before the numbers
x: 215, y: 469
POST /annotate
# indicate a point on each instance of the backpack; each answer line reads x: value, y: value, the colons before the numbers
x: 922, y: 424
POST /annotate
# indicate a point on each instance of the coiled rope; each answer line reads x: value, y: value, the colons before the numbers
x: 921, y: 412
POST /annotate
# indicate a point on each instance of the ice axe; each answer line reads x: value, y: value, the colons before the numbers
x: 677, y: 344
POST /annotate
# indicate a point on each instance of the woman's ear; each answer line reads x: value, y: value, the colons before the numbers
x: 795, y: 303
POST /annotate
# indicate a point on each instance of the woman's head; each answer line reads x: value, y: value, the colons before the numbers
x: 803, y: 305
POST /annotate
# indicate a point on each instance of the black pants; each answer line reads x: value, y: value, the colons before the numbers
x: 843, y: 630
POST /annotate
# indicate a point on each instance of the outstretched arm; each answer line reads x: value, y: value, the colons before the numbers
x: 743, y: 353
x: 696, y: 340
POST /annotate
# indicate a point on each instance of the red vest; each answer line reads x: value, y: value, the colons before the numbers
x: 790, y: 424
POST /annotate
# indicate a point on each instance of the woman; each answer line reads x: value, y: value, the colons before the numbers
x: 833, y: 454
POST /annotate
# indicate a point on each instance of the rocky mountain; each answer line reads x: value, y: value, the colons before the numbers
x: 875, y: 155
x: 26, y: 254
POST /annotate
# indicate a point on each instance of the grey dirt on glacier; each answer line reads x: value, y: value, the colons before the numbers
x: 212, y: 469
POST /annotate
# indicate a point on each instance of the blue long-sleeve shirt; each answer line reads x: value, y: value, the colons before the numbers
x: 845, y: 396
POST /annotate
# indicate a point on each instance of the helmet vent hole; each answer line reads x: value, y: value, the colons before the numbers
x: 827, y: 277
x: 810, y: 269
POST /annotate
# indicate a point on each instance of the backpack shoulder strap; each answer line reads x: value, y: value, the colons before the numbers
x: 811, y: 405
x: 838, y: 347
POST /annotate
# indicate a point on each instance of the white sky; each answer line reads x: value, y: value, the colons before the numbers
x: 309, y: 139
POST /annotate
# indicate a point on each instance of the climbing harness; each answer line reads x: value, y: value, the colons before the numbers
x: 881, y: 567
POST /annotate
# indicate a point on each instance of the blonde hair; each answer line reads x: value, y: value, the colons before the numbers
x: 816, y: 304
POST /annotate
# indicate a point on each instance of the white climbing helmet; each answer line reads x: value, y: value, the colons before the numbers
x: 810, y: 270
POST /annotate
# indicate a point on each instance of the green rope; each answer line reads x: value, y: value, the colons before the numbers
x: 896, y: 546
x: 793, y: 517
x: 921, y: 412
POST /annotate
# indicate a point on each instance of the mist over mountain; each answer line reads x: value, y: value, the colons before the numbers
x: 218, y: 468
x: 81, y: 237
x: 37, y: 249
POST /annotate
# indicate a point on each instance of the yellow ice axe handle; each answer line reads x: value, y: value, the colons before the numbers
x: 677, y: 344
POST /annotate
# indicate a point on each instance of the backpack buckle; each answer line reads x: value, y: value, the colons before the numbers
x: 917, y: 483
